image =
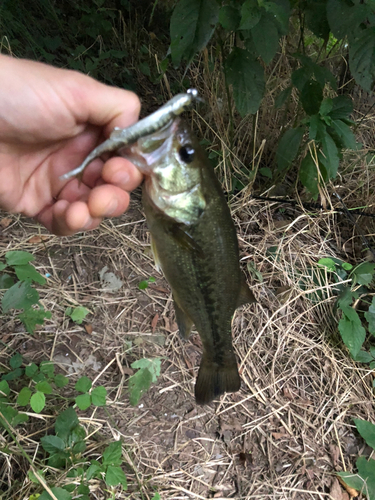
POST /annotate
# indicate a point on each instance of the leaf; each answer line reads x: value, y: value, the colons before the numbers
x: 52, y: 444
x: 13, y: 375
x: 192, y: 25
x: 280, y: 11
x: 366, y: 469
x: 20, y: 418
x: 282, y: 97
x: 115, y: 476
x: 301, y: 76
x: 153, y: 365
x: 342, y: 108
x: 77, y: 314
x: 24, y: 396
x: 66, y: 422
x: 79, y: 447
x: 4, y: 388
x: 142, y: 285
x: 266, y: 38
x: 345, y: 134
x: 60, y: 380
x: 311, y: 97
x: 19, y: 296
x: 364, y: 357
x: 32, y: 317
x: 38, y: 401
x: 83, y: 401
x: 352, y: 332
x: 250, y: 14
x: 18, y: 258
x: 44, y: 386
x: 48, y: 368
x: 316, y: 18
x: 353, y: 481
x: 139, y: 383
x: 6, y: 281
x: 361, y: 58
x: 31, y: 370
x: 363, y: 273
x: 246, y: 76
x: 330, y: 264
x: 331, y: 155
x: 93, y: 471
x: 98, y: 396
x: 367, y: 431
x: 343, y: 18
x: 112, y: 454
x: 59, y: 493
x: 229, y: 17
x: 15, y: 361
x: 288, y: 148
x: 370, y: 316
x: 83, y: 384
x: 27, y: 271
x: 156, y: 497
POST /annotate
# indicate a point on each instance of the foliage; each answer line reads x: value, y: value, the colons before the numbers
x: 77, y: 314
x: 142, y: 285
x: 20, y: 295
x: 140, y: 382
x: 364, y: 480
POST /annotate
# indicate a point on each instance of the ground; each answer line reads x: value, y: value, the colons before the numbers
x: 288, y: 430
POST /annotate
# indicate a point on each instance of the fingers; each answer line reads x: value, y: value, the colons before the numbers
x: 122, y: 173
x: 107, y: 201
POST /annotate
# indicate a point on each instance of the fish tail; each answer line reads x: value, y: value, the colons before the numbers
x: 214, y: 379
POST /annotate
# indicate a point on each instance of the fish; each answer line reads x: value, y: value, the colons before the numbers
x: 195, y: 244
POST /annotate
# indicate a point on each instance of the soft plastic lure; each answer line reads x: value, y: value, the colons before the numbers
x: 122, y: 137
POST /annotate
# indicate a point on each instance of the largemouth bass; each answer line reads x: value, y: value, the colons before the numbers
x: 194, y: 241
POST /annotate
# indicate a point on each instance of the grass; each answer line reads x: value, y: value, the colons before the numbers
x: 290, y: 428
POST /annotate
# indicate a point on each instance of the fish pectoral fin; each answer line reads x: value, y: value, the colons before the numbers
x: 183, y: 238
x: 214, y: 379
x: 184, y: 323
x: 246, y: 296
x: 155, y: 255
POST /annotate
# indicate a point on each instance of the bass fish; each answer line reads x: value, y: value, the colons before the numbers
x: 193, y: 236
x: 194, y: 242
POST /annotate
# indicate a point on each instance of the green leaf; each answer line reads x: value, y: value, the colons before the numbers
x: 15, y: 361
x: 115, y: 476
x: 52, y: 444
x: 328, y: 263
x: 266, y: 38
x: 77, y: 314
x: 20, y: 418
x: 367, y: 431
x: 326, y: 106
x: 2, y: 266
x: 24, y: 396
x: 13, y: 375
x: 79, y: 447
x: 44, y: 387
x: 331, y: 155
x: 153, y: 365
x: 344, y: 18
x: 366, y: 469
x: 156, y: 497
x: 342, y: 108
x: 83, y: 384
x: 250, y: 14
x: 361, y: 58
x: 38, y: 401
x: 142, y: 285
x: 31, y: 370
x: 66, y: 422
x: 93, y: 471
x: 27, y: 271
x: 19, y: 296
x: 98, y: 396
x: 311, y: 97
x: 345, y: 134
x: 364, y: 357
x: 288, y: 148
x: 83, y: 401
x: 139, y: 383
x: 4, y: 388
x: 370, y: 316
x: 352, y: 332
x: 301, y: 76
x: 192, y: 25
x: 32, y: 317
x: 282, y: 97
x: 316, y: 18
x: 60, y: 380
x: 48, y: 368
x: 266, y: 171
x: 112, y: 454
x: 229, y: 17
x: 246, y: 76
x: 59, y: 493
x: 18, y: 258
x: 6, y: 281
x: 363, y: 273
x: 353, y: 480
x: 280, y: 11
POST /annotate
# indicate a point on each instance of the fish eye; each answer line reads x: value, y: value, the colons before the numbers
x: 187, y: 153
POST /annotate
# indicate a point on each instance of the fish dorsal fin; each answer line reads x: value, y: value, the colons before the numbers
x: 246, y: 296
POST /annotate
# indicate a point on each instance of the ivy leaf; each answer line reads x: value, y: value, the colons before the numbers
x: 115, y: 476
x: 352, y: 332
x: 370, y: 316
x: 18, y: 258
x: 192, y: 25
x: 311, y: 97
x: 19, y: 296
x: 52, y: 444
x: 361, y: 58
x: 112, y: 454
x: 288, y: 147
x: 83, y: 384
x: 98, y: 396
x: 38, y: 402
x: 27, y: 271
x: 246, y: 75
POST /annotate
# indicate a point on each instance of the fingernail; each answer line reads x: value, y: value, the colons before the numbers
x: 112, y: 207
x: 87, y: 224
x: 121, y: 178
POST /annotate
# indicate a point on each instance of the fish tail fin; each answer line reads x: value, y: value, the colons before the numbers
x: 214, y: 379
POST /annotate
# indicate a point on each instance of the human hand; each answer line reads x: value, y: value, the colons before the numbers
x: 50, y: 119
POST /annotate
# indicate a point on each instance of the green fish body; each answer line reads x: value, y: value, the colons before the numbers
x: 195, y: 243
